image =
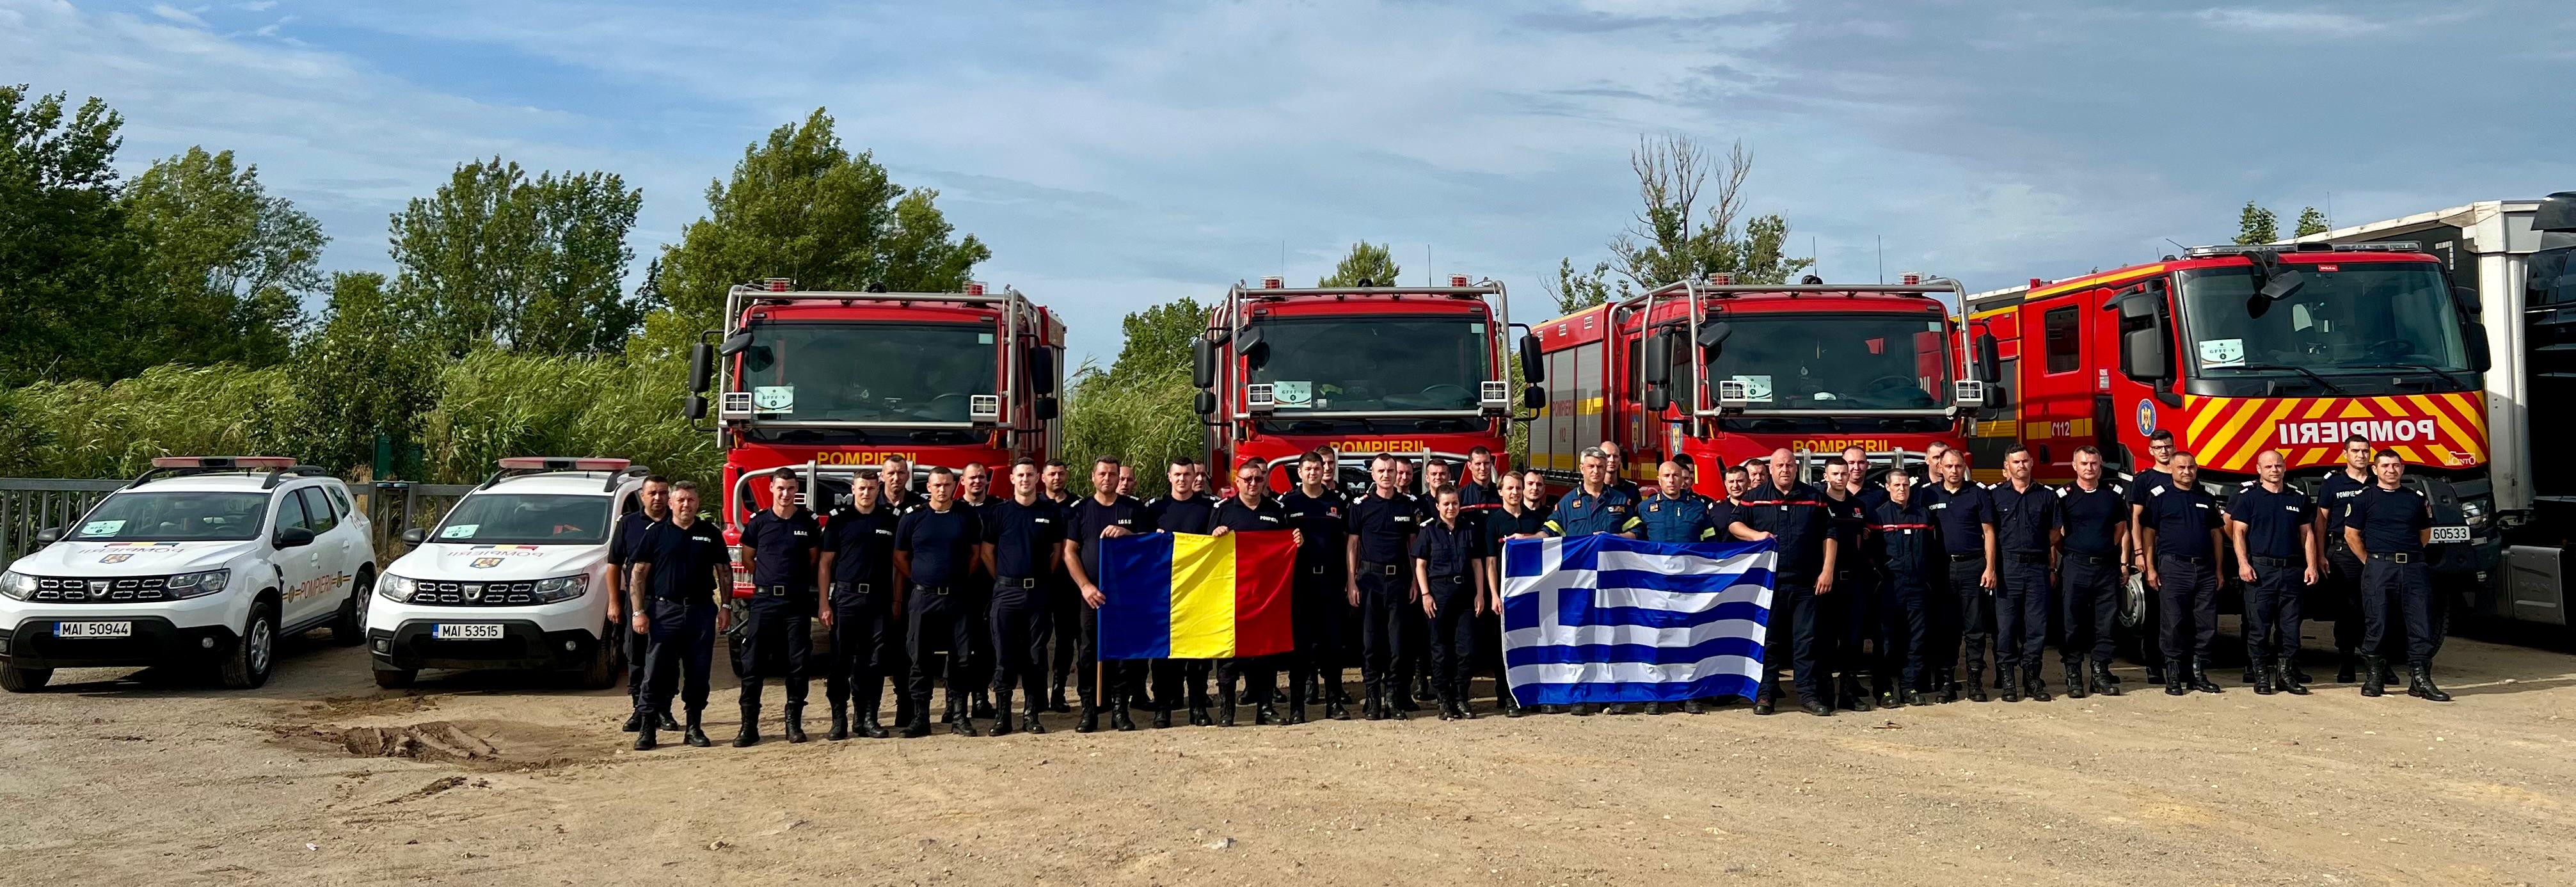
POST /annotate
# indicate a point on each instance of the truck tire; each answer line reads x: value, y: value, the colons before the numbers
x: 605, y: 666
x: 24, y: 680
x: 252, y: 656
x: 396, y: 678
x: 349, y: 627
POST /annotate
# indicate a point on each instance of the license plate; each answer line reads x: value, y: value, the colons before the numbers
x: 2451, y: 534
x: 467, y: 632
x: 93, y: 629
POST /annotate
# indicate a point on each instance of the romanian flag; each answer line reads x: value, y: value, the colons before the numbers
x: 1187, y: 596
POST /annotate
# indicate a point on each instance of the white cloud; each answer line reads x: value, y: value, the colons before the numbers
x: 176, y: 14
x: 2311, y: 23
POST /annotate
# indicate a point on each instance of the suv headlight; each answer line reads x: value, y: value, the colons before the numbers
x: 560, y: 588
x: 200, y: 584
x: 17, y: 586
x: 397, y: 589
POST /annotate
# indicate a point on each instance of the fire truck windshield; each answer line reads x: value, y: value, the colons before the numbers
x: 1405, y: 363
x: 2355, y: 317
x: 1836, y: 362
x: 908, y: 373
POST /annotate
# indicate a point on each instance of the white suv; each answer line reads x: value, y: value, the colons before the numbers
x: 203, y: 560
x: 514, y: 577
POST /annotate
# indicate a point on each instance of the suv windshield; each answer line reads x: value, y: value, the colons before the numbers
x: 867, y: 372
x: 1406, y: 363
x: 174, y: 517
x: 526, y: 519
x: 2348, y: 317
x: 1836, y: 362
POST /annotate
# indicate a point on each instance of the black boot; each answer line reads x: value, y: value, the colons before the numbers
x: 2177, y: 686
x: 2156, y: 672
x: 1225, y: 705
x: 634, y: 722
x: 1119, y: 719
x: 2034, y: 685
x: 1055, y: 697
x: 1090, y: 721
x: 2264, y: 675
x: 1336, y: 700
x: 1029, y: 720
x: 961, y: 716
x: 868, y: 726
x: 1263, y: 714
x: 1162, y: 718
x: 749, y: 735
x: 2104, y: 682
x: 840, y: 723
x: 2074, y: 679
x: 2289, y: 680
x: 1654, y: 708
x: 1766, y: 699
x: 918, y: 725
x: 1947, y: 683
x: 2200, y: 678
x: 2419, y: 683
x: 2253, y: 672
x: 2387, y: 670
x: 1976, y: 684
x: 1199, y: 713
x: 644, y: 739
x: 665, y: 722
x: 1693, y: 706
x: 2010, y: 681
x: 2374, y: 681
x: 796, y: 723
x: 1002, y: 713
x: 1857, y: 693
x: 2290, y: 667
x: 695, y: 736
x: 983, y: 704
x: 2345, y: 660
x: 1373, y: 704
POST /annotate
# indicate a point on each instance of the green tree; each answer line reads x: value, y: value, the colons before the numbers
x: 1683, y: 229
x: 1157, y: 340
x: 66, y: 257
x: 531, y: 266
x: 225, y: 263
x: 2255, y: 224
x: 1371, y: 262
x: 2312, y: 222
x: 1141, y: 408
x: 357, y: 377
x: 800, y: 206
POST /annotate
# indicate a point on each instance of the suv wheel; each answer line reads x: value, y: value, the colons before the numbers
x: 349, y: 628
x: 252, y: 656
x: 601, y: 672
x: 396, y: 678
x: 24, y: 680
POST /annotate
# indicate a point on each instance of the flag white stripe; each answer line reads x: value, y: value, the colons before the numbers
x: 1635, y: 672
x: 1553, y: 636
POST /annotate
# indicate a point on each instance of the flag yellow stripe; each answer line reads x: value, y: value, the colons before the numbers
x: 1202, y: 596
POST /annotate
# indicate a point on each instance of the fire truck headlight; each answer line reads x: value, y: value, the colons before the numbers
x: 2476, y: 512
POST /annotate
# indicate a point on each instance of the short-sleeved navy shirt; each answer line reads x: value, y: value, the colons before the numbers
x: 2391, y: 521
x: 2146, y: 483
x: 1962, y: 515
x: 683, y: 560
x: 1384, y: 526
x: 1447, y: 548
x: 1232, y: 514
x: 1090, y: 518
x: 2023, y: 518
x: 1797, y: 517
x: 862, y: 545
x: 2338, y: 491
x: 1502, y: 525
x: 942, y: 543
x: 2182, y: 519
x: 1027, y: 540
x: 1321, y: 519
x: 630, y: 530
x: 2272, y: 520
x: 783, y: 548
x: 2093, y: 518
x: 1196, y: 514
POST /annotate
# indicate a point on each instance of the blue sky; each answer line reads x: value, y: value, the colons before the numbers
x: 1118, y: 155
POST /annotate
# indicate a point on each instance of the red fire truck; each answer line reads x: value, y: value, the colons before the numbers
x: 1729, y: 372
x: 1413, y: 370
x: 834, y: 383
x: 2242, y: 349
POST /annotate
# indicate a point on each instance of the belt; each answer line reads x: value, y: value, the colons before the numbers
x: 1319, y: 570
x: 1452, y: 580
x: 773, y: 590
x: 1381, y: 568
x: 1011, y: 582
x: 2195, y: 559
x: 2262, y: 561
x: 2337, y: 541
x: 2396, y: 557
x: 2090, y: 560
x: 2027, y: 557
x: 941, y: 590
x: 1964, y: 558
x: 853, y: 587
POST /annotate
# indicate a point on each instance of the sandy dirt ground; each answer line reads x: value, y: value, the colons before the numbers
x: 118, y: 778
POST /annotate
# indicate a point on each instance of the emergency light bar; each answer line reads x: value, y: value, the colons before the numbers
x: 1910, y: 278
x: 778, y: 284
x: 1721, y: 278
x: 984, y: 407
x: 1273, y: 281
x: 2230, y: 249
x: 1260, y: 397
x: 975, y: 287
x: 1967, y: 394
x: 564, y: 463
x: 222, y: 462
x: 1457, y: 280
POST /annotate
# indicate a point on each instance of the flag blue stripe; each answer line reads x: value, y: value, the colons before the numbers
x: 1571, y: 654
x: 1684, y: 582
x: 1603, y: 692
x: 1575, y: 608
x: 1136, y: 578
x: 1524, y: 557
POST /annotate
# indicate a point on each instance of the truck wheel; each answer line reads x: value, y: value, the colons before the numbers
x: 349, y: 628
x: 396, y: 678
x: 604, y: 667
x: 248, y: 665
x: 24, y: 680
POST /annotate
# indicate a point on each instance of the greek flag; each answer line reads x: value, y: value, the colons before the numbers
x: 1608, y: 619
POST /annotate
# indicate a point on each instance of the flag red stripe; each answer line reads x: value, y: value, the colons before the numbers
x: 1264, y: 563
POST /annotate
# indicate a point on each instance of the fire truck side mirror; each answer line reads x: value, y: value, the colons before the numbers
x: 1041, y: 364
x: 1205, y: 403
x: 696, y: 408
x: 1533, y: 364
x: 1989, y: 358
x: 702, y: 364
x: 2467, y: 298
x: 1202, y: 366
x: 2473, y: 338
x: 735, y: 344
x: 1045, y: 408
x: 1657, y: 398
x: 2142, y: 353
x: 1658, y: 364
x: 1533, y: 397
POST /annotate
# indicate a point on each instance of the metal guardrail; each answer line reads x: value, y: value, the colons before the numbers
x: 28, y: 505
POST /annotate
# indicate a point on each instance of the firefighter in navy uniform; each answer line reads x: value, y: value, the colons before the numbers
x: 1382, y: 524
x: 2026, y: 532
x: 1912, y: 565
x: 975, y: 492
x: 2342, y: 590
x: 1026, y: 536
x: 1251, y: 510
x: 1316, y: 603
x: 935, y: 549
x: 1449, y: 563
x: 1064, y: 602
x: 1965, y: 519
x: 1848, y: 610
x: 2275, y: 551
x: 1517, y: 516
x: 858, y: 561
x: 1672, y: 513
x: 1185, y: 510
x: 1791, y: 511
x: 2388, y: 526
x: 1594, y: 507
x: 1105, y: 514
x: 2160, y: 447
x: 1414, y: 666
x: 671, y: 592
x: 782, y: 545
x: 2181, y: 533
x: 654, y: 505
x: 2092, y: 560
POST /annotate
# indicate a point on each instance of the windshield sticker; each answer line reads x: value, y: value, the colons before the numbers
x: 983, y: 338
x: 1476, y: 329
x: 102, y: 528
x: 1824, y: 395
x: 1293, y: 394
x: 2222, y: 352
x: 1756, y: 387
x: 458, y: 531
x: 773, y: 398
